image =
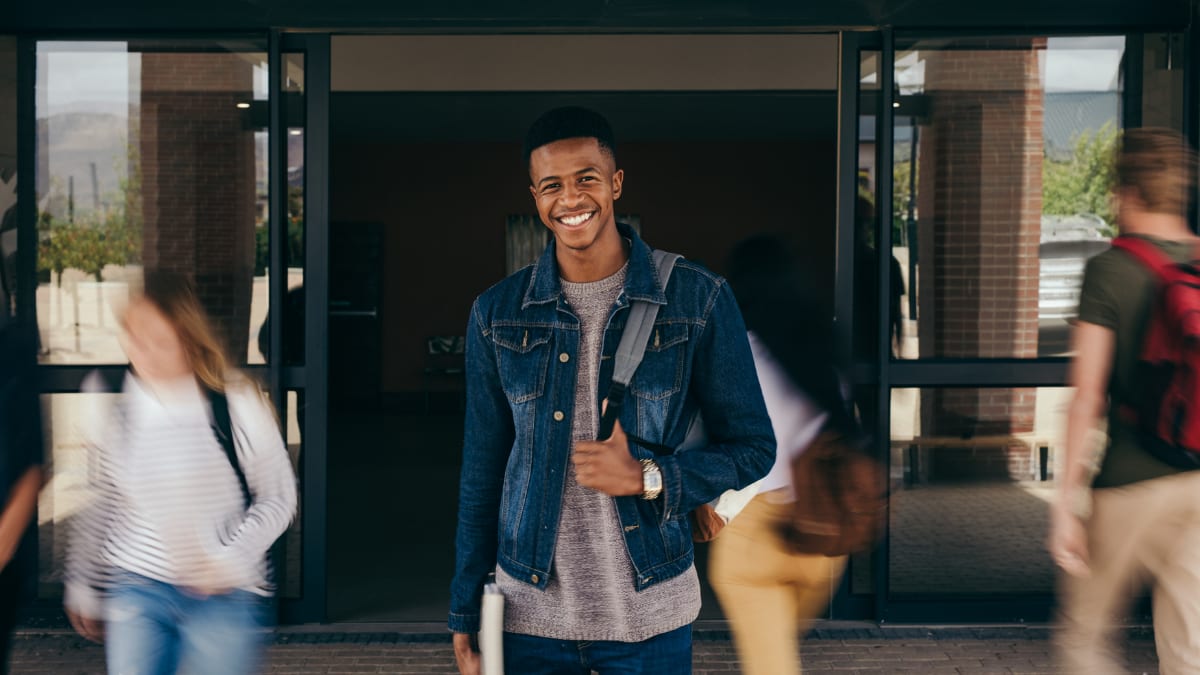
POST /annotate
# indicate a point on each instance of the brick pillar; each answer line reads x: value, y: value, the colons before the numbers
x: 198, y: 180
x: 981, y: 206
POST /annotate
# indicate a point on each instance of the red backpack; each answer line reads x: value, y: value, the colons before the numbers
x: 1167, y: 407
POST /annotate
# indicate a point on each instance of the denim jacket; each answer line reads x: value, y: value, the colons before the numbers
x: 522, y: 343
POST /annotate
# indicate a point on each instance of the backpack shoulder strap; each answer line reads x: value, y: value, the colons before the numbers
x: 1146, y: 253
x: 223, y: 429
x: 641, y: 321
x: 632, y: 347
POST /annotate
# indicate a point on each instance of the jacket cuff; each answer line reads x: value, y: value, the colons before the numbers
x: 463, y: 623
x: 672, y: 492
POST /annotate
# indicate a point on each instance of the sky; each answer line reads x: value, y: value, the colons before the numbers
x: 96, y: 77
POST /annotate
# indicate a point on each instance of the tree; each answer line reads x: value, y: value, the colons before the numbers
x: 112, y: 236
x: 1083, y: 182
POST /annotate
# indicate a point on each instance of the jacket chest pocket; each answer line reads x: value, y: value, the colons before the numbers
x: 522, y: 353
x: 660, y: 374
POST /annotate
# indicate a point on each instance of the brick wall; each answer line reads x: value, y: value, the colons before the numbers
x: 198, y: 189
x: 981, y: 204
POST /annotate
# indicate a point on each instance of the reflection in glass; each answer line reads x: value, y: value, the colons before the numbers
x: 1002, y: 158
x: 293, y: 244
x: 71, y: 422
x: 972, y: 476
x: 866, y: 284
x: 1162, y: 81
x: 147, y: 158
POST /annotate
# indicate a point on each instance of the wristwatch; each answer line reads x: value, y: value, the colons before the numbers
x: 652, y: 482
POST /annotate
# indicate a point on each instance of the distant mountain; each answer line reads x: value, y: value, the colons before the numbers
x: 71, y: 143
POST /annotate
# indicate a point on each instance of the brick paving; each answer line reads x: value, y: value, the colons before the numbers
x: 844, y: 651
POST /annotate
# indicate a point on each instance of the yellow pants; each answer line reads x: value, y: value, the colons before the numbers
x: 1139, y: 535
x: 769, y: 595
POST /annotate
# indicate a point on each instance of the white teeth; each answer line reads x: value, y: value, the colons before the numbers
x: 576, y: 220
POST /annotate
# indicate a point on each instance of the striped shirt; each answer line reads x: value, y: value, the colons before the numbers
x: 166, y: 502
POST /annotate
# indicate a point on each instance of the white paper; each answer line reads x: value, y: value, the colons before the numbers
x: 491, y: 631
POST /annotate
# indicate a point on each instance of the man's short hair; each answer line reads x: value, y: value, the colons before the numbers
x: 1159, y: 166
x: 569, y: 122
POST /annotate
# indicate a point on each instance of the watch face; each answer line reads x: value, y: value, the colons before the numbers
x: 651, y: 481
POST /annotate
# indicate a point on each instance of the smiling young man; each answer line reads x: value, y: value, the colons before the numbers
x: 589, y: 538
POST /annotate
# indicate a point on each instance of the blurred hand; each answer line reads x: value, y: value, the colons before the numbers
x: 607, y: 466
x: 466, y: 653
x: 1068, y: 541
x: 92, y: 629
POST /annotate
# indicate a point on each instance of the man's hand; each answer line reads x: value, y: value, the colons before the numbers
x: 1068, y: 542
x: 607, y: 466
x: 466, y: 653
x: 92, y: 629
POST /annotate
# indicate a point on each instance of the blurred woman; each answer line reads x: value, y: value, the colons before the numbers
x: 192, y: 485
x: 769, y: 594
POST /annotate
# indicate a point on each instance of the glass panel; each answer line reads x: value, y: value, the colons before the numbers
x: 866, y: 230
x: 972, y: 477
x: 1162, y: 83
x: 1003, y: 156
x: 71, y: 421
x: 8, y: 172
x: 148, y: 157
x: 293, y: 245
x: 293, y: 338
x: 866, y: 285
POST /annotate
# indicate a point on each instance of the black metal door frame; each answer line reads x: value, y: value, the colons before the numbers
x: 887, y: 373
x: 312, y: 376
x: 884, y: 374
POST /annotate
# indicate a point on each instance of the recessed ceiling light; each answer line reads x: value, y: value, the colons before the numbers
x: 895, y: 104
x: 243, y: 105
x: 295, y: 132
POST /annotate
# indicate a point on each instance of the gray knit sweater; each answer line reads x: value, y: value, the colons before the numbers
x: 591, y: 594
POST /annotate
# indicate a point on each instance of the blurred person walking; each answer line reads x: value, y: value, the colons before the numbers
x: 191, y: 486
x: 1144, y: 522
x: 769, y: 593
x: 20, y: 465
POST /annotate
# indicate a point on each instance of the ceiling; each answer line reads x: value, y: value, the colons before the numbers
x: 621, y: 15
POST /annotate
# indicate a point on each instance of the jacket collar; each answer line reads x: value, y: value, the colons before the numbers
x: 641, y: 277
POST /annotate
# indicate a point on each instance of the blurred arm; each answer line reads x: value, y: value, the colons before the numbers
x: 22, y: 501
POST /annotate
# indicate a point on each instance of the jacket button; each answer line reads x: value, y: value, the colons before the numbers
x: 558, y: 416
x: 534, y: 578
x: 564, y: 357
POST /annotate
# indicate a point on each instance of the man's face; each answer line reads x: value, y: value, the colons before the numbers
x: 574, y: 184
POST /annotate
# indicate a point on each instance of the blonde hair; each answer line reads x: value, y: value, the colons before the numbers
x: 1159, y: 166
x: 174, y: 295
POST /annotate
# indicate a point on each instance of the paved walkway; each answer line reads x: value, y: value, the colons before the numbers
x: 841, y: 651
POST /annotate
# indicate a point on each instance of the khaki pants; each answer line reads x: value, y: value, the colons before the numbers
x: 769, y: 595
x: 1143, y: 534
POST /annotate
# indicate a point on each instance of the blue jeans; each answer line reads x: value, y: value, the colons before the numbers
x: 152, y: 627
x: 666, y: 654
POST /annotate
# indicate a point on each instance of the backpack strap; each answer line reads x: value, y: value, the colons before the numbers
x: 223, y: 430
x: 632, y: 347
x: 1145, y: 252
